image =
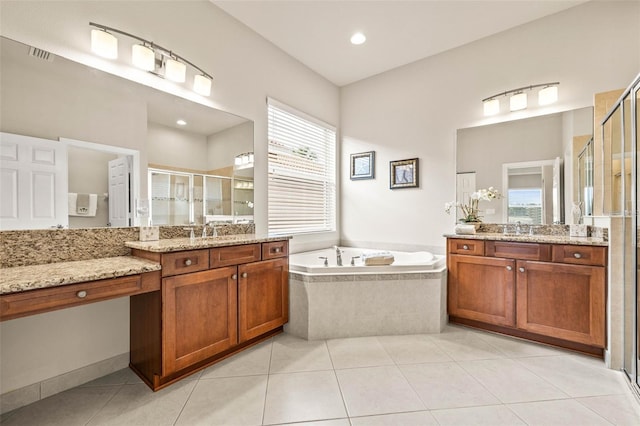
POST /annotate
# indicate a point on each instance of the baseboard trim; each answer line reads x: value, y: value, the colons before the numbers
x: 26, y: 395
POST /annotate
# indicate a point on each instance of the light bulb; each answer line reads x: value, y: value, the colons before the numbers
x: 548, y: 95
x: 175, y: 71
x: 491, y: 107
x: 202, y: 85
x: 518, y: 101
x: 358, y: 38
x: 143, y: 57
x: 104, y: 44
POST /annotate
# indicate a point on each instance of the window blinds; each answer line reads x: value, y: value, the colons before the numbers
x: 302, y: 170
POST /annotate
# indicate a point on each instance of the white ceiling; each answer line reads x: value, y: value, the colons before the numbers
x: 317, y: 32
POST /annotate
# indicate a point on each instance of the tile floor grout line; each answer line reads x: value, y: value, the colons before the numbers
x: 186, y: 401
x: 103, y: 405
x: 592, y: 410
x: 335, y: 374
x: 266, y: 388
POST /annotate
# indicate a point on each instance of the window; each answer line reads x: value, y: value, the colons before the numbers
x: 525, y: 205
x: 302, y: 172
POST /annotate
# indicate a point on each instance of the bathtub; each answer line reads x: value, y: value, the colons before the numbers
x: 312, y: 263
x: 325, y: 302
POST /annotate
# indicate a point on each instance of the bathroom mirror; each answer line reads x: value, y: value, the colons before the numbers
x: 49, y: 97
x: 482, y: 151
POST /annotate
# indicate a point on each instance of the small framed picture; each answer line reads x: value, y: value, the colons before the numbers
x: 363, y: 165
x: 403, y: 174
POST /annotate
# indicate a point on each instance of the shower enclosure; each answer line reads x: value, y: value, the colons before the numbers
x: 621, y: 135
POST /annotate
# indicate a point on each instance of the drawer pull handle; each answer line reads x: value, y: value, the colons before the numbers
x: 276, y: 250
x: 244, y: 275
x: 187, y: 262
x: 509, y: 268
x: 521, y: 269
x: 465, y: 247
x: 81, y: 294
x: 577, y: 255
x: 234, y: 277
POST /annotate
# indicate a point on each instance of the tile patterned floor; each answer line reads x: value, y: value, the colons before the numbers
x: 459, y: 377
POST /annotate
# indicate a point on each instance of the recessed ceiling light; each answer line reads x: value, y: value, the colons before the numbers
x: 358, y: 38
x: 181, y: 123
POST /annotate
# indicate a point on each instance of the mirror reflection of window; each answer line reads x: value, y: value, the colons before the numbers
x: 525, y: 205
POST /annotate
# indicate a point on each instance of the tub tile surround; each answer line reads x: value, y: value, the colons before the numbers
x: 354, y: 305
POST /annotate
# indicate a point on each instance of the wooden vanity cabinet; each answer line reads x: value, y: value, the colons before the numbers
x: 212, y: 303
x: 199, y: 318
x: 553, y: 293
x: 482, y: 289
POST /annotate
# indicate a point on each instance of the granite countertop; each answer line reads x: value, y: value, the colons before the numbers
x: 549, y: 239
x: 179, y: 244
x: 23, y: 278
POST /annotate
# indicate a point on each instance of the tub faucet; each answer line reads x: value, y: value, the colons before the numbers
x: 338, y: 255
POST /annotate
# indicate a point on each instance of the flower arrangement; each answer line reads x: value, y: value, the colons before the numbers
x: 470, y: 211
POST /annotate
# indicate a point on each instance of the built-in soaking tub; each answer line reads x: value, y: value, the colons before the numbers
x: 406, y: 297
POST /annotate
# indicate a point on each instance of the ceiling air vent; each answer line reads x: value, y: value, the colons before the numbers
x: 41, y: 54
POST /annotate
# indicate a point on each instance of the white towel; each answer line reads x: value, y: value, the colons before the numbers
x: 73, y: 202
x: 377, y: 258
x: 465, y: 229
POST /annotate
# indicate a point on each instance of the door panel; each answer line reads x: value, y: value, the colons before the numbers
x: 580, y: 317
x: 199, y: 315
x: 482, y: 289
x: 119, y: 204
x: 33, y: 187
x: 263, y: 297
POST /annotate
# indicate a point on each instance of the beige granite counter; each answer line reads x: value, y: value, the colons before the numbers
x: 179, y: 244
x: 23, y: 278
x: 549, y: 239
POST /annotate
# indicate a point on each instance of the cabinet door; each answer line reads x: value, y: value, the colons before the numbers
x: 482, y: 289
x: 563, y: 301
x: 199, y: 315
x: 263, y: 297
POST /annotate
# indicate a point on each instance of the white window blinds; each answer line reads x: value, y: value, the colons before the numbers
x: 302, y: 172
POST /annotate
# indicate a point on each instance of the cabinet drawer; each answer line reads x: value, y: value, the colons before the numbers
x: 183, y: 262
x: 48, y: 299
x: 468, y: 247
x: 275, y: 249
x: 234, y: 255
x: 511, y: 250
x: 580, y: 255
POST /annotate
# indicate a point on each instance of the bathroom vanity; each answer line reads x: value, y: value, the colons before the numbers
x: 548, y: 289
x: 218, y: 296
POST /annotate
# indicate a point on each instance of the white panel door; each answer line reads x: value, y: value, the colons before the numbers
x: 465, y: 186
x: 119, y: 211
x: 33, y: 183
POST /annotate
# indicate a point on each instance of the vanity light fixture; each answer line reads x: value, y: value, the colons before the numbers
x: 104, y: 43
x: 143, y: 57
x: 548, y: 95
x: 518, y: 99
x: 150, y: 57
x: 243, y: 161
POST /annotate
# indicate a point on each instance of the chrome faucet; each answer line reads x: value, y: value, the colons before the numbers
x: 338, y: 255
x: 518, y: 229
x: 214, y: 232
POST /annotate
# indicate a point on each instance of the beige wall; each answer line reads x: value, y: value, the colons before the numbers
x: 175, y: 148
x: 246, y: 69
x: 414, y: 111
x: 225, y: 145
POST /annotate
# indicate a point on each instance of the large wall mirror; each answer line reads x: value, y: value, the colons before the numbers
x: 534, y: 162
x: 185, y: 162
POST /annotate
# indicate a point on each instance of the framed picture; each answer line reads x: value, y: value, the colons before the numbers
x: 363, y: 165
x: 403, y: 173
